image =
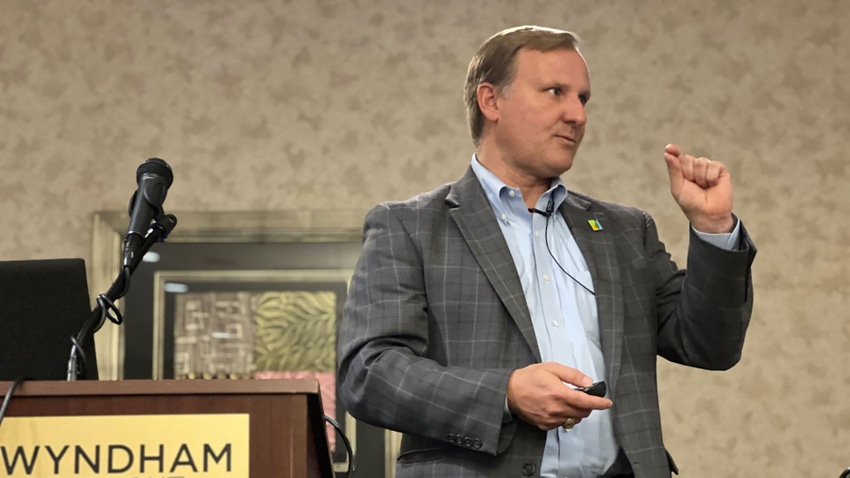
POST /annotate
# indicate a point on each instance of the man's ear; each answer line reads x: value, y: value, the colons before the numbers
x: 488, y: 97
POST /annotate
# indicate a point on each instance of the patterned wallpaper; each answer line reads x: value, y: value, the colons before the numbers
x: 317, y: 104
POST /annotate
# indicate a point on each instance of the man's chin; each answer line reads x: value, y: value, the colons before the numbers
x: 562, y: 165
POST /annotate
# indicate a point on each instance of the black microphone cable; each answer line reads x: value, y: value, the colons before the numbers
x: 8, y: 397
x: 550, y: 208
x: 339, y: 432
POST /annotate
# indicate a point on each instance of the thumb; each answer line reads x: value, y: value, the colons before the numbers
x: 569, y: 375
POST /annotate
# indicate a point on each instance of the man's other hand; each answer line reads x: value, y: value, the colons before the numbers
x: 538, y: 394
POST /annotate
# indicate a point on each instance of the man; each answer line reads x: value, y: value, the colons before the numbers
x: 477, y: 309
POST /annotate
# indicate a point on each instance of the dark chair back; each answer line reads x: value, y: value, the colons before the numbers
x: 42, y: 304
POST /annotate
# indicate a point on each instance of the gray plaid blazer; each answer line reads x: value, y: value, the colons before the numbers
x: 436, y: 321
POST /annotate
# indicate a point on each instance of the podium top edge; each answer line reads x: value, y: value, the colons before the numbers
x: 164, y: 387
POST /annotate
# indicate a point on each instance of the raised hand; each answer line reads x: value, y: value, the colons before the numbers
x: 702, y: 188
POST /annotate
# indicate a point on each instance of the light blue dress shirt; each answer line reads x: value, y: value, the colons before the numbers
x: 563, y: 314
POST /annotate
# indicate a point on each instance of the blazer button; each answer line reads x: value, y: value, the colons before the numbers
x: 528, y: 469
x: 467, y: 442
x: 476, y: 443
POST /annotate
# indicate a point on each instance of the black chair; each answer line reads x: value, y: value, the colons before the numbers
x: 42, y: 304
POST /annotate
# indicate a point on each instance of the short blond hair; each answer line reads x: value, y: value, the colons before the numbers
x: 495, y: 63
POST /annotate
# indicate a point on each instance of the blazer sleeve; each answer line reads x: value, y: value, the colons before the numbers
x: 386, y: 377
x: 704, y: 312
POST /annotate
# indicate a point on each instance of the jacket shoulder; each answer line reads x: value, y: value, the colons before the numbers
x: 421, y: 203
x: 613, y: 211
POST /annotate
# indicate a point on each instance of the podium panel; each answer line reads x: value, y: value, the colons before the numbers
x: 286, y: 432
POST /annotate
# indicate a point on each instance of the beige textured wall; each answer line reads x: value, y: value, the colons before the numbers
x: 318, y: 104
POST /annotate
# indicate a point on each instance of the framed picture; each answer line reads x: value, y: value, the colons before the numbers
x: 240, y: 295
x: 254, y: 324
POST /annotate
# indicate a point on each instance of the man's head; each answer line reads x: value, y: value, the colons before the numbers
x: 495, y: 63
x: 526, y: 92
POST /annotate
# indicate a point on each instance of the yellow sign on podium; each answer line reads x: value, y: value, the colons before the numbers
x: 126, y: 446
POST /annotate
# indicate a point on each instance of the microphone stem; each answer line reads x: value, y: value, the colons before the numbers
x: 118, y: 289
x: 132, y: 244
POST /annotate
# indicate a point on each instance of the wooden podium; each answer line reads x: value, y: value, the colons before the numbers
x: 287, y: 430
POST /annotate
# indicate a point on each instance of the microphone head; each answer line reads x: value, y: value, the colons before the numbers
x: 155, y: 166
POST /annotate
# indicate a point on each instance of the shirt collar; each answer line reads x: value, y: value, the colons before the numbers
x: 498, y: 193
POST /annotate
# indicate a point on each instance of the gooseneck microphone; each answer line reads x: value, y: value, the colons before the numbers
x: 149, y: 224
x: 154, y: 177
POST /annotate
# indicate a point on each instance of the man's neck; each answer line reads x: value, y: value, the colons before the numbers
x: 531, y: 187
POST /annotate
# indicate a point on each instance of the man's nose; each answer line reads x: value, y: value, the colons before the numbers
x: 574, y: 112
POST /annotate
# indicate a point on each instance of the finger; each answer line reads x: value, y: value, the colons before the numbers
x: 570, y: 423
x: 673, y: 149
x: 569, y: 374
x: 567, y: 423
x: 701, y: 172
x: 581, y: 404
x: 716, y: 170
x: 565, y: 417
x: 567, y: 420
x: 674, y: 170
x: 686, y: 162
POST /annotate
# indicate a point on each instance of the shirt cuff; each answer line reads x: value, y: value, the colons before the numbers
x: 506, y: 414
x: 728, y: 241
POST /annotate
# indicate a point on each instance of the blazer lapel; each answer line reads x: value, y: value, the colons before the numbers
x: 474, y: 216
x: 600, y: 253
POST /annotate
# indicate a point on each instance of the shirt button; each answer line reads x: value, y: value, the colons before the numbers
x: 555, y: 323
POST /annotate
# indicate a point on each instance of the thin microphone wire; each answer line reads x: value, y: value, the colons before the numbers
x: 345, y: 441
x: 548, y: 215
x: 8, y: 398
